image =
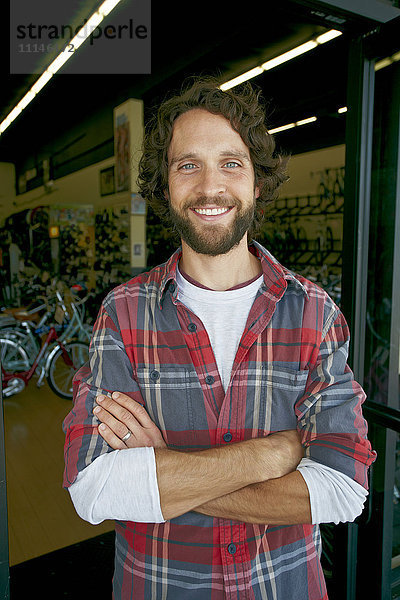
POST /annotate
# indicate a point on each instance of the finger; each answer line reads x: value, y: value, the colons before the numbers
x: 118, y: 427
x: 119, y: 419
x: 109, y: 436
x: 137, y: 409
x: 142, y: 417
x: 132, y: 414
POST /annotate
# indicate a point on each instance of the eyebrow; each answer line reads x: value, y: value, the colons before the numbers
x: 223, y: 153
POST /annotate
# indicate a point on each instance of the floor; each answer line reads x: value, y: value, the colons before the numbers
x: 41, y: 517
x: 78, y: 572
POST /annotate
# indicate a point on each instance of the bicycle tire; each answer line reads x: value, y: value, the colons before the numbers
x: 13, y: 356
x: 60, y: 375
x: 21, y: 337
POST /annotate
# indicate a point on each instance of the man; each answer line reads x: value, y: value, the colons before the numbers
x: 218, y: 422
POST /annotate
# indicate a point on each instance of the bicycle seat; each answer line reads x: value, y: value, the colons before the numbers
x: 21, y: 314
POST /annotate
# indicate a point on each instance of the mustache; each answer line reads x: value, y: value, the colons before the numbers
x: 220, y: 201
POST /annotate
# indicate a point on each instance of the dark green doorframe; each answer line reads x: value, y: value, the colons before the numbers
x: 4, y: 552
x: 369, y: 539
x: 359, y: 130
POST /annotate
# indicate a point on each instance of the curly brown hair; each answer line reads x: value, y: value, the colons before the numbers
x: 245, y: 110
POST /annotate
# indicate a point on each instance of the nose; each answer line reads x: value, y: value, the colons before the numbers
x: 210, y: 182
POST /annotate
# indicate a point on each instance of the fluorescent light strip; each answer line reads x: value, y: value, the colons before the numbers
x: 385, y: 62
x: 274, y: 62
x: 282, y: 128
x: 305, y: 121
x: 59, y: 61
x: 291, y: 125
x: 282, y: 58
x: 241, y: 78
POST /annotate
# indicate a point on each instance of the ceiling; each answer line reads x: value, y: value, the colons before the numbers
x: 194, y: 38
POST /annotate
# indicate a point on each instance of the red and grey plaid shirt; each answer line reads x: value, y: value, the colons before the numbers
x: 290, y: 372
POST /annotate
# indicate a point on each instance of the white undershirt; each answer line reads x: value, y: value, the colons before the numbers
x: 122, y: 485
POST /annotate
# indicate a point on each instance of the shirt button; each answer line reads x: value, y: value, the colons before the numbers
x: 227, y: 437
x: 210, y: 379
x: 232, y: 548
x: 192, y: 327
x: 155, y: 375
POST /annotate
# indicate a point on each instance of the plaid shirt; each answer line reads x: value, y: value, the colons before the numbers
x: 290, y: 372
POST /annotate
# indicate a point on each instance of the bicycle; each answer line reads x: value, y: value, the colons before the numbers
x: 57, y: 314
x: 58, y: 363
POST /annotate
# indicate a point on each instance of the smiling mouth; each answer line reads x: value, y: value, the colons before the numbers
x: 212, y: 211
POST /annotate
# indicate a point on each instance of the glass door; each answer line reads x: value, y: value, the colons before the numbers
x: 371, y: 304
x: 379, y: 534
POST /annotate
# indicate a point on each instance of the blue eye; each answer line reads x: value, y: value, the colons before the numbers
x: 231, y: 164
x: 187, y: 166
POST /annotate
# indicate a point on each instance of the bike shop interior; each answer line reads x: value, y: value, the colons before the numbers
x: 73, y: 226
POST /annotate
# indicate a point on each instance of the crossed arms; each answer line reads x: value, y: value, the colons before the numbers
x: 254, y: 481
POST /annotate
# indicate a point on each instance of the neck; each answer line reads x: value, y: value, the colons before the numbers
x: 224, y: 271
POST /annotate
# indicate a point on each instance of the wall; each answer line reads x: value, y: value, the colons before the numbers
x: 301, y: 167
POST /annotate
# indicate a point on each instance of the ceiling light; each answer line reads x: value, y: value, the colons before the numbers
x: 381, y: 64
x: 343, y: 109
x: 86, y: 30
x: 26, y: 99
x: 291, y: 125
x: 282, y: 128
x: 305, y: 121
x: 60, y: 60
x: 328, y: 36
x: 385, y: 62
x: 241, y: 78
x: 41, y: 82
x: 13, y: 114
x: 107, y: 7
x: 282, y: 58
x: 274, y: 62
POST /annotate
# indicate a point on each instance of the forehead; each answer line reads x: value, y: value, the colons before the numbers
x: 199, y: 128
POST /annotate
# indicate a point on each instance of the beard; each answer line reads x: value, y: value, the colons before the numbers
x: 213, y: 239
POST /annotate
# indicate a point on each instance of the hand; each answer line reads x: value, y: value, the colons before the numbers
x: 119, y: 415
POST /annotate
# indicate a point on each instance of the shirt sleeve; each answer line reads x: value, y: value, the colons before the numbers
x: 330, y: 420
x: 108, y: 369
x: 121, y: 485
x: 334, y: 497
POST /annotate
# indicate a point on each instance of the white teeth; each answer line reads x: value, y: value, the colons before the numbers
x: 211, y: 211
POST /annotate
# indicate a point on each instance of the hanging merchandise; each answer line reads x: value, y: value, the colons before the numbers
x: 305, y: 232
x: 112, y: 246
x: 161, y: 241
x: 76, y: 243
x: 25, y: 248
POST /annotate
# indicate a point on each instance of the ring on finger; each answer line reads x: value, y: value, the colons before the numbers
x: 127, y: 436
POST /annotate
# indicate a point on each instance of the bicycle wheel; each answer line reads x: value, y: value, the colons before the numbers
x: 24, y: 339
x: 13, y: 357
x: 60, y: 373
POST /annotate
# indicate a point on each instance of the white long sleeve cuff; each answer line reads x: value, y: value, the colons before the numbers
x: 334, y: 497
x: 120, y: 485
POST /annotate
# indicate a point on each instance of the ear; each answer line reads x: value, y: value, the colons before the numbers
x: 257, y: 192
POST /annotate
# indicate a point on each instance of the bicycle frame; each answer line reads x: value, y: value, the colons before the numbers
x: 25, y: 376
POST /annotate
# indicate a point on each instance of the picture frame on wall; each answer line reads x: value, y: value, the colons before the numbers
x: 107, y: 181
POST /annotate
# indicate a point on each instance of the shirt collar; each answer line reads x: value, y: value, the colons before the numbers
x: 276, y: 275
x: 273, y: 270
